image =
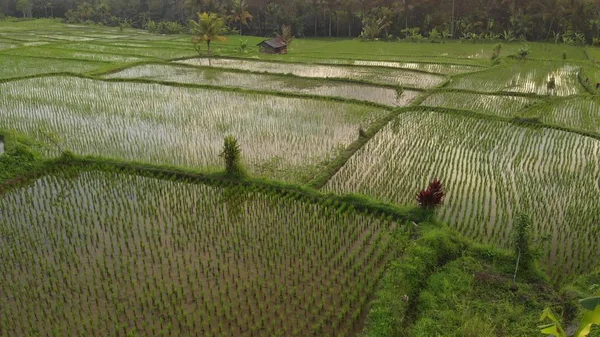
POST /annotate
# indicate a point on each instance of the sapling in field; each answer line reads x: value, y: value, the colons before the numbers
x: 521, y: 238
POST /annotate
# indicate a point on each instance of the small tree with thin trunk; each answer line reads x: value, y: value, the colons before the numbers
x: 521, y: 239
x: 208, y: 28
x: 232, y: 157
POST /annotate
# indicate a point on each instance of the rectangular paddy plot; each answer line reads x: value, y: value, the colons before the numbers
x: 120, y: 48
x: 581, y: 113
x: 54, y: 53
x: 439, y: 68
x: 491, y: 171
x: 367, y: 74
x: 283, y: 138
x: 89, y: 253
x: 381, y: 95
x: 524, y: 77
x: 506, y: 106
x: 18, y: 66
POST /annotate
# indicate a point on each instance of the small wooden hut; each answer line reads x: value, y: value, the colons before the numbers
x: 273, y: 46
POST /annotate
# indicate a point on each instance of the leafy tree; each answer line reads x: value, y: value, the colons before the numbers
x: 25, y: 7
x: 240, y: 13
x: 208, y: 28
x: 232, y: 156
x: 372, y: 28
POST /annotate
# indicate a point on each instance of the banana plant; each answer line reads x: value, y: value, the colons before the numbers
x: 590, y: 318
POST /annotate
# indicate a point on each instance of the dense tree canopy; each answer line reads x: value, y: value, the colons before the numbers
x: 529, y: 19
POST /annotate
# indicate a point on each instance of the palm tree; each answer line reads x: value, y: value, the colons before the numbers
x: 209, y: 27
x: 240, y: 13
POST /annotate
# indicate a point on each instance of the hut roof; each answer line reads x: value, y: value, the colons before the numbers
x: 275, y: 43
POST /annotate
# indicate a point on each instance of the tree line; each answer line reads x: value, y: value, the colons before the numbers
x: 559, y: 20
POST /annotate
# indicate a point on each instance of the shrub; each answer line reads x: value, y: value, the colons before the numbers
x: 432, y: 196
x: 523, y: 52
x: 232, y: 156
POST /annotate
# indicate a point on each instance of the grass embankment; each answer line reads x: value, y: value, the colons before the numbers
x: 445, y: 285
x: 20, y: 157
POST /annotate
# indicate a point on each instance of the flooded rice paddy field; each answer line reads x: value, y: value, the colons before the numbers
x: 368, y: 74
x: 499, y: 105
x: 369, y: 93
x: 283, y: 138
x: 91, y: 252
x: 581, y: 113
x: 524, y: 77
x: 491, y: 170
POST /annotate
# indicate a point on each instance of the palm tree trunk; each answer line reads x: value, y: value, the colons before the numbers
x: 549, y: 29
x: 329, y: 24
x: 240, y: 27
x: 208, y: 45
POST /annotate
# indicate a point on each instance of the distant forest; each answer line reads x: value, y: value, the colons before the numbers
x: 565, y: 21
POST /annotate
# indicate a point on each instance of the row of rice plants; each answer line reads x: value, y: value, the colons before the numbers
x: 283, y: 138
x: 525, y: 77
x: 369, y: 74
x: 491, y: 170
x: 92, y: 253
x: 580, y: 113
x: 381, y: 95
x: 505, y: 106
x: 18, y: 66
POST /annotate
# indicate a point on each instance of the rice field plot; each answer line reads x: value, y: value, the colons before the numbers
x: 438, y: 68
x: 524, y: 77
x: 368, y: 74
x: 381, y: 95
x: 581, y: 113
x: 491, y: 171
x: 19, y: 66
x: 161, y: 53
x: 90, y: 253
x: 7, y: 45
x: 72, y: 54
x: 283, y: 138
x: 505, y: 106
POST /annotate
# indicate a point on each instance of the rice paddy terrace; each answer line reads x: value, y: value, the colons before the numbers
x: 139, y: 235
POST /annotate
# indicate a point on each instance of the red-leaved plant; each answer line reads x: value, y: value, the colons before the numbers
x: 432, y: 196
